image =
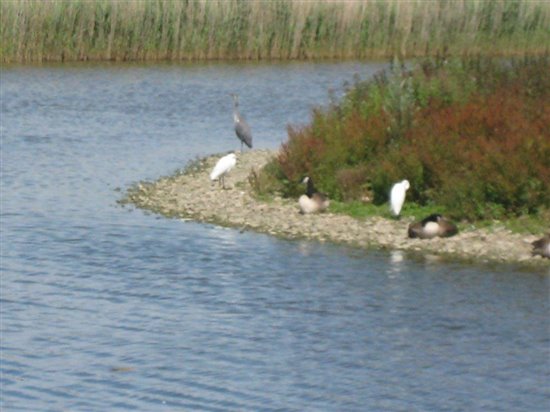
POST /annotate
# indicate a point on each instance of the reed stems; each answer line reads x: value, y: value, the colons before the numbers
x: 62, y: 30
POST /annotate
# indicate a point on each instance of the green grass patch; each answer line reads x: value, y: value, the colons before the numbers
x: 527, y: 224
x: 358, y: 209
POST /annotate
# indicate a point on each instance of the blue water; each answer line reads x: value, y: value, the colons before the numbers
x: 109, y: 308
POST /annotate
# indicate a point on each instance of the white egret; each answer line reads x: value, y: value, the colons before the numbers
x: 223, y: 166
x: 432, y: 226
x: 397, y: 196
x: 312, y: 201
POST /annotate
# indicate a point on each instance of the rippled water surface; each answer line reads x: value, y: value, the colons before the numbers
x: 106, y: 308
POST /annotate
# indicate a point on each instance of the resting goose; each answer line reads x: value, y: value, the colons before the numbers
x: 542, y: 246
x: 312, y: 201
x: 432, y: 226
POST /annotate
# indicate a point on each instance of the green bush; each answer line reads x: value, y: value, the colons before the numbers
x: 470, y: 135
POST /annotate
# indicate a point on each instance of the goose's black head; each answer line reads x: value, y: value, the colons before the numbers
x: 435, y: 217
x: 310, y: 188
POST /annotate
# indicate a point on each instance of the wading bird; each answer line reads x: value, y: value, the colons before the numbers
x: 312, y: 201
x: 242, y: 129
x: 432, y: 226
x: 542, y: 246
x: 397, y: 196
x: 223, y: 166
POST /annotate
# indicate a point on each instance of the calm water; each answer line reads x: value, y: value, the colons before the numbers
x: 105, y: 308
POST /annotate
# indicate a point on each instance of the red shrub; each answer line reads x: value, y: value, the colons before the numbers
x: 479, y: 151
x: 495, y: 144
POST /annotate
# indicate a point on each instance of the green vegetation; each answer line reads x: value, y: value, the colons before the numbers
x: 471, y: 136
x: 360, y: 209
x: 63, y: 30
x: 537, y: 223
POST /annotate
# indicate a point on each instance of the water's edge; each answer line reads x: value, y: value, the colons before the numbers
x: 188, y: 194
x: 123, y: 309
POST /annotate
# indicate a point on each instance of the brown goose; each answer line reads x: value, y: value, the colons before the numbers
x: 542, y: 246
x: 312, y: 201
x: 432, y: 226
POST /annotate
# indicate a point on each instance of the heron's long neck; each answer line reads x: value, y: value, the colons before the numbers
x: 236, y: 115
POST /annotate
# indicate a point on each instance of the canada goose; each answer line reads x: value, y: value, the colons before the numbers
x: 542, y: 246
x: 223, y: 166
x: 312, y: 201
x: 397, y: 196
x: 432, y: 226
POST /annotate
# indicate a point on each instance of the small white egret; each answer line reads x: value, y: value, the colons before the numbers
x: 432, y: 226
x: 397, y: 196
x: 312, y: 201
x: 223, y: 166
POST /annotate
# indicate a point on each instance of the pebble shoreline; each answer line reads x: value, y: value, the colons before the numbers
x: 191, y: 195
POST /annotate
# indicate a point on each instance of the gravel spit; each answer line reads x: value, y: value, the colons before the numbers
x: 189, y: 194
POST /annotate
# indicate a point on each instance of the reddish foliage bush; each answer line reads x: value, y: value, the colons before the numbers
x: 480, y: 151
x: 491, y: 151
x: 353, y: 183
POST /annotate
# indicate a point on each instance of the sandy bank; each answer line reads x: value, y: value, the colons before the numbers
x: 190, y: 194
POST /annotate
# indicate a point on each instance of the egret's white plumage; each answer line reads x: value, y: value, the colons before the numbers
x: 223, y: 166
x: 397, y: 196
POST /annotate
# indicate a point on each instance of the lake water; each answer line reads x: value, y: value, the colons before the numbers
x: 105, y: 308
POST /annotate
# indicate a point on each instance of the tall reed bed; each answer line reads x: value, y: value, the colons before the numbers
x: 63, y: 30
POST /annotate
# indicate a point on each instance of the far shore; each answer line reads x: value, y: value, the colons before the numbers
x: 191, y: 195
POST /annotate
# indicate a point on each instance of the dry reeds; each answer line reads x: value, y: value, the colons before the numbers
x: 62, y: 30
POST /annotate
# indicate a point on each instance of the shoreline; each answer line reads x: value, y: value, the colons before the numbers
x: 189, y: 194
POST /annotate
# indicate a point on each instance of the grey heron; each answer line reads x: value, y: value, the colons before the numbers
x: 242, y: 129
